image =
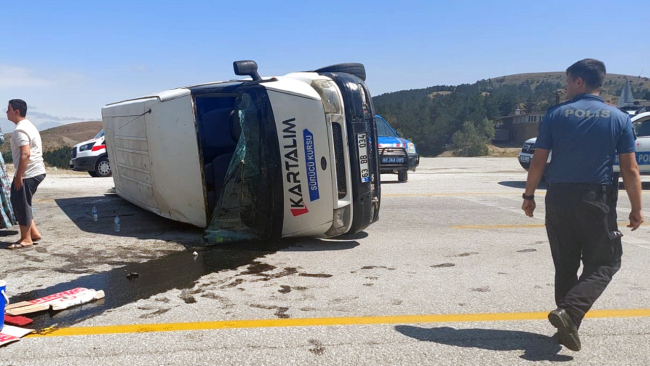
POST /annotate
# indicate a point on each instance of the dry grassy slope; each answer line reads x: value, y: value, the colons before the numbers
x: 613, y: 82
x: 66, y: 135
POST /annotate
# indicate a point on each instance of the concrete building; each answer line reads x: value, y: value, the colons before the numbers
x: 519, y: 126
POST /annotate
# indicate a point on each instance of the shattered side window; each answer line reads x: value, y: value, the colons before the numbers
x: 245, y: 206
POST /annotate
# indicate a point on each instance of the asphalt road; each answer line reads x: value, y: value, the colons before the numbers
x: 453, y: 273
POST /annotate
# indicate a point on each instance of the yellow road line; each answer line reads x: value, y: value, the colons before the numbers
x: 310, y: 322
x: 520, y: 226
x: 497, y: 226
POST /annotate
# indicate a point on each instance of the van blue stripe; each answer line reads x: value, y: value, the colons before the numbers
x: 310, y: 158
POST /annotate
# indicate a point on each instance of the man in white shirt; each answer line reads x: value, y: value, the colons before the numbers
x: 27, y: 154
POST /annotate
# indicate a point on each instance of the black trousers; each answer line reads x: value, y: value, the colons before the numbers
x: 581, y: 225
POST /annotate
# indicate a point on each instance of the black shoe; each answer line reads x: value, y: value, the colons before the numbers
x: 567, y: 331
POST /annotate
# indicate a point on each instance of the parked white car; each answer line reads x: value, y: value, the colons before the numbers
x: 641, y: 124
x: 90, y: 156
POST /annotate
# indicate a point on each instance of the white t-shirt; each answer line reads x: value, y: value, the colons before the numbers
x: 27, y: 134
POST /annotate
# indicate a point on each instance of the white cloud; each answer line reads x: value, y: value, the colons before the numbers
x: 45, y: 116
x: 143, y: 69
x: 22, y: 77
x: 15, y: 76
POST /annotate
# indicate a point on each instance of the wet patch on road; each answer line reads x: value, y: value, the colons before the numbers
x: 481, y: 289
x: 187, y: 297
x: 317, y: 347
x: 225, y: 302
x: 316, y: 275
x: 443, y: 265
x: 365, y: 268
x: 33, y: 259
x: 155, y: 313
x: 282, y: 313
x: 467, y: 254
x: 258, y: 268
x: 526, y: 250
x: 176, y: 270
x: 234, y: 283
x: 284, y: 289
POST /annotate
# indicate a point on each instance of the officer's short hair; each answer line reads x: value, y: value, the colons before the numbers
x: 19, y: 105
x: 590, y: 70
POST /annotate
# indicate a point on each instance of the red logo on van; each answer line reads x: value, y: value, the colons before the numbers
x: 299, y: 211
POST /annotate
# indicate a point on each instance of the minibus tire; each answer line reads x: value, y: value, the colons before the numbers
x: 352, y: 68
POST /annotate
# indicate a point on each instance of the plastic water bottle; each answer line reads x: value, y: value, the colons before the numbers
x: 94, y: 213
x: 117, y: 223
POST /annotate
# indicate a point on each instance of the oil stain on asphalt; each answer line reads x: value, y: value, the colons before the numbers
x: 179, y: 270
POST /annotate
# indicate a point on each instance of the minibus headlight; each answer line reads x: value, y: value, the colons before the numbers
x: 329, y: 94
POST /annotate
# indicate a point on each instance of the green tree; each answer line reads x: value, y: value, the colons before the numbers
x: 59, y: 158
x: 472, y: 139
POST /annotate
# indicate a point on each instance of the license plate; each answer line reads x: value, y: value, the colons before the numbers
x: 524, y: 159
x: 392, y: 160
x: 362, y: 146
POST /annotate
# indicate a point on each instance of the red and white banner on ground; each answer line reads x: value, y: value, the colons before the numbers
x: 46, y: 299
x: 12, y: 334
x: 58, y: 301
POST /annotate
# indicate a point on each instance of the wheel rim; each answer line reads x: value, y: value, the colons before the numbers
x: 104, y: 168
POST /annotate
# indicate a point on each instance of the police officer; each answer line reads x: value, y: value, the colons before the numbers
x: 585, y: 135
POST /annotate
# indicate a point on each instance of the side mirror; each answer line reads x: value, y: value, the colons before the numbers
x: 247, y: 67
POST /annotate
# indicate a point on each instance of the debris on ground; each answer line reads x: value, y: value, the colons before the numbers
x: 12, y: 334
x: 58, y: 301
x: 18, y: 321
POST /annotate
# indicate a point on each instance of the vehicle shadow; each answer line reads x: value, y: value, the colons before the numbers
x: 543, y: 185
x: 520, y: 184
x: 134, y: 221
x: 317, y: 245
x: 139, y: 223
x: 536, y: 347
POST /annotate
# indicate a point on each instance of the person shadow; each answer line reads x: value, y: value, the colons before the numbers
x: 536, y: 347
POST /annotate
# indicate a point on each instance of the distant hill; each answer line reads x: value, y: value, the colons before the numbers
x: 48, y: 125
x: 64, y: 135
x: 611, y: 89
x: 452, y: 117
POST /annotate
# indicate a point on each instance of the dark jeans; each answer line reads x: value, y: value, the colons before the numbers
x: 581, y: 224
x: 21, y: 200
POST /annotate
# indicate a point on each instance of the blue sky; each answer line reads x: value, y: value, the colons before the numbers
x: 69, y: 58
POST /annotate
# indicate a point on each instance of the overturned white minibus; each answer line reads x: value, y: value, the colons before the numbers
x: 265, y: 158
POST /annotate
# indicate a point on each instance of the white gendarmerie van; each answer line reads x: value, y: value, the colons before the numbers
x: 265, y: 158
